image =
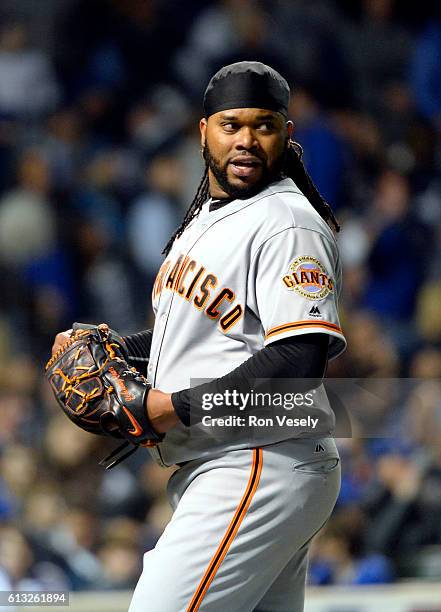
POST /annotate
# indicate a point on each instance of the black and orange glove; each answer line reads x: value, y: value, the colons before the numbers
x: 99, y: 391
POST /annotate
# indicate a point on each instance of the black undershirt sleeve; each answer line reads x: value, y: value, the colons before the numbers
x: 138, y: 349
x: 299, y: 357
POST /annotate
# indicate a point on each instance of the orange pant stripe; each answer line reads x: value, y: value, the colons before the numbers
x: 230, y: 534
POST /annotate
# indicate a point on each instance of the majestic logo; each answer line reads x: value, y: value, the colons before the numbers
x: 308, y: 277
x: 315, y: 312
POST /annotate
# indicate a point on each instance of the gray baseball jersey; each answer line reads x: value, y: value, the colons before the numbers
x: 240, y: 277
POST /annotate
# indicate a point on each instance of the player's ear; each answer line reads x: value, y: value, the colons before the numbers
x: 203, y: 130
x: 290, y: 128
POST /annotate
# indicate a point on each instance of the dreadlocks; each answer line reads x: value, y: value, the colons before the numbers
x: 293, y: 168
x: 202, y: 195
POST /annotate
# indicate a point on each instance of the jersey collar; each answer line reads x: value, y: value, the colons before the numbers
x: 283, y: 185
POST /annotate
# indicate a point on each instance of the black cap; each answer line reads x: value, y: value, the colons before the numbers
x: 246, y: 85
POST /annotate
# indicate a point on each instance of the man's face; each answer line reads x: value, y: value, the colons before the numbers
x: 244, y: 149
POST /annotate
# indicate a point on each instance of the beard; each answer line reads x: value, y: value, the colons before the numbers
x: 242, y: 192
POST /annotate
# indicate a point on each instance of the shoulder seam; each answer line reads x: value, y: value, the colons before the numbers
x: 294, y: 221
x: 294, y: 227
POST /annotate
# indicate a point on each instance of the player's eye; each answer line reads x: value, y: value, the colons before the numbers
x: 229, y: 127
x: 266, y: 127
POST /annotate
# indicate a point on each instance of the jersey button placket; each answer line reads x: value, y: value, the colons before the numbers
x: 162, y: 323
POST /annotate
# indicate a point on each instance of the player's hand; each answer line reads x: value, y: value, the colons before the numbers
x: 61, y: 339
x: 160, y: 411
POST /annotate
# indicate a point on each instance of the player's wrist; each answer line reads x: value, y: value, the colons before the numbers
x: 160, y: 411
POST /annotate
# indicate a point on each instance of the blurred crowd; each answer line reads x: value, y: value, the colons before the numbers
x: 99, y: 159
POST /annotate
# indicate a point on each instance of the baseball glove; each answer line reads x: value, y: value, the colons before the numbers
x: 100, y: 392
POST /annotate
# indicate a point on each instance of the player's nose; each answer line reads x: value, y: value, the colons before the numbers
x: 246, y: 139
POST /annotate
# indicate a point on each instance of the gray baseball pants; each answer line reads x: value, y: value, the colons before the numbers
x: 241, y: 528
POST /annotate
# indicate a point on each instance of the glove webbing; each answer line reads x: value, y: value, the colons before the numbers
x: 113, y: 459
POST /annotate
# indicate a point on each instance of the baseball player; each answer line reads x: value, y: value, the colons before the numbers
x: 247, y: 292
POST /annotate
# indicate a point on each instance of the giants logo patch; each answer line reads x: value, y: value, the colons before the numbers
x: 307, y: 277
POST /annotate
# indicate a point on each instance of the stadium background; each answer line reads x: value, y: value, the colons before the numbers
x: 99, y: 158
